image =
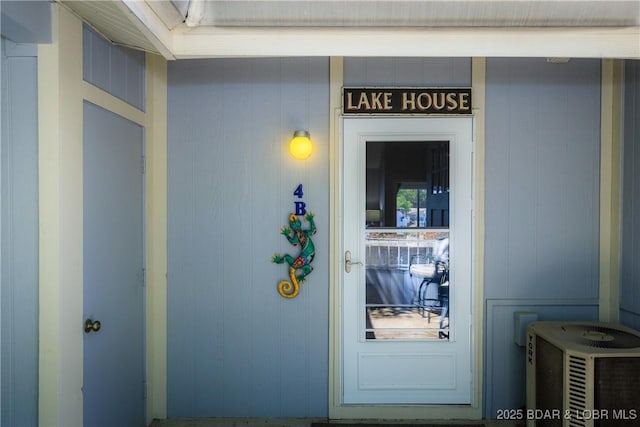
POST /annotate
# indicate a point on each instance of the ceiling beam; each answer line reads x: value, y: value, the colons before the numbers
x: 423, y: 13
x: 574, y: 42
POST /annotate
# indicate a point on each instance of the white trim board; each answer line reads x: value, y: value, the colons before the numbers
x: 61, y: 91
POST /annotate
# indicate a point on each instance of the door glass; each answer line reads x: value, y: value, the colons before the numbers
x: 407, y: 240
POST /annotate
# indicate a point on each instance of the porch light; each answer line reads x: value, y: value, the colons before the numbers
x: 300, y: 146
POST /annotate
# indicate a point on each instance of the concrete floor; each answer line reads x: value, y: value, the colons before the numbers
x: 301, y: 422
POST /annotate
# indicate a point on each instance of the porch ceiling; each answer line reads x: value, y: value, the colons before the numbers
x: 227, y: 28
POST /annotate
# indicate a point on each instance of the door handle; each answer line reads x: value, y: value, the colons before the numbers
x: 348, y: 263
x: 91, y: 326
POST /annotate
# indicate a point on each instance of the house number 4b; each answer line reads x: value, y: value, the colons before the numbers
x: 301, y: 207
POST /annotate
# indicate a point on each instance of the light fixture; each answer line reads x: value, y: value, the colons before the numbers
x: 300, y: 146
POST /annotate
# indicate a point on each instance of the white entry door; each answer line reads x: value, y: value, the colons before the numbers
x: 113, y: 387
x: 406, y: 272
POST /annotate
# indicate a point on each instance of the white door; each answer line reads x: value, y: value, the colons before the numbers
x: 406, y: 271
x: 113, y: 383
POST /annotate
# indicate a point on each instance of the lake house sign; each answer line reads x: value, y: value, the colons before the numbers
x: 380, y: 100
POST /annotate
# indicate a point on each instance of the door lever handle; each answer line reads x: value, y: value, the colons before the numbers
x: 348, y: 263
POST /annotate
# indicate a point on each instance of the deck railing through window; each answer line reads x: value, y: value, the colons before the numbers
x: 394, y: 248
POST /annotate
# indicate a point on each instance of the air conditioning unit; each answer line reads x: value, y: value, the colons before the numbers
x: 582, y: 374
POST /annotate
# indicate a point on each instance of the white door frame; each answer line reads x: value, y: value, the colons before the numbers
x: 61, y: 91
x: 336, y: 409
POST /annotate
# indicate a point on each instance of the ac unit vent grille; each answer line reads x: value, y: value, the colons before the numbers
x: 573, y: 422
x: 577, y: 402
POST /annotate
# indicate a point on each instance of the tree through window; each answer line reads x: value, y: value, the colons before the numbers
x: 411, y: 205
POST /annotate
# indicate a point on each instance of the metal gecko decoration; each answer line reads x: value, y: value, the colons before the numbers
x: 299, y: 266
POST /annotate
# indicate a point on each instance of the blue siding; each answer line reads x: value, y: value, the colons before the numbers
x: 19, y: 230
x: 230, y: 185
x: 26, y: 21
x: 630, y: 272
x: 505, y: 361
x: 229, y: 121
x: 114, y: 69
x: 443, y: 72
x: 542, y: 179
x: 542, y: 147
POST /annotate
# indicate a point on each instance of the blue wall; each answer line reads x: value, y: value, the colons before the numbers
x: 407, y: 71
x: 26, y: 21
x: 19, y: 231
x: 542, y: 189
x: 22, y: 24
x: 630, y: 271
x: 542, y: 162
x: 235, y: 347
x: 230, y: 182
x: 117, y: 70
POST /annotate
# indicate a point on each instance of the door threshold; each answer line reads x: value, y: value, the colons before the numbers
x: 405, y: 412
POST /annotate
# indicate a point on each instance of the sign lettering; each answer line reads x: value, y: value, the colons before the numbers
x: 406, y: 101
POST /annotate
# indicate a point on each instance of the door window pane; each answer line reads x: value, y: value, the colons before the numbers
x: 407, y: 240
x: 407, y: 284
